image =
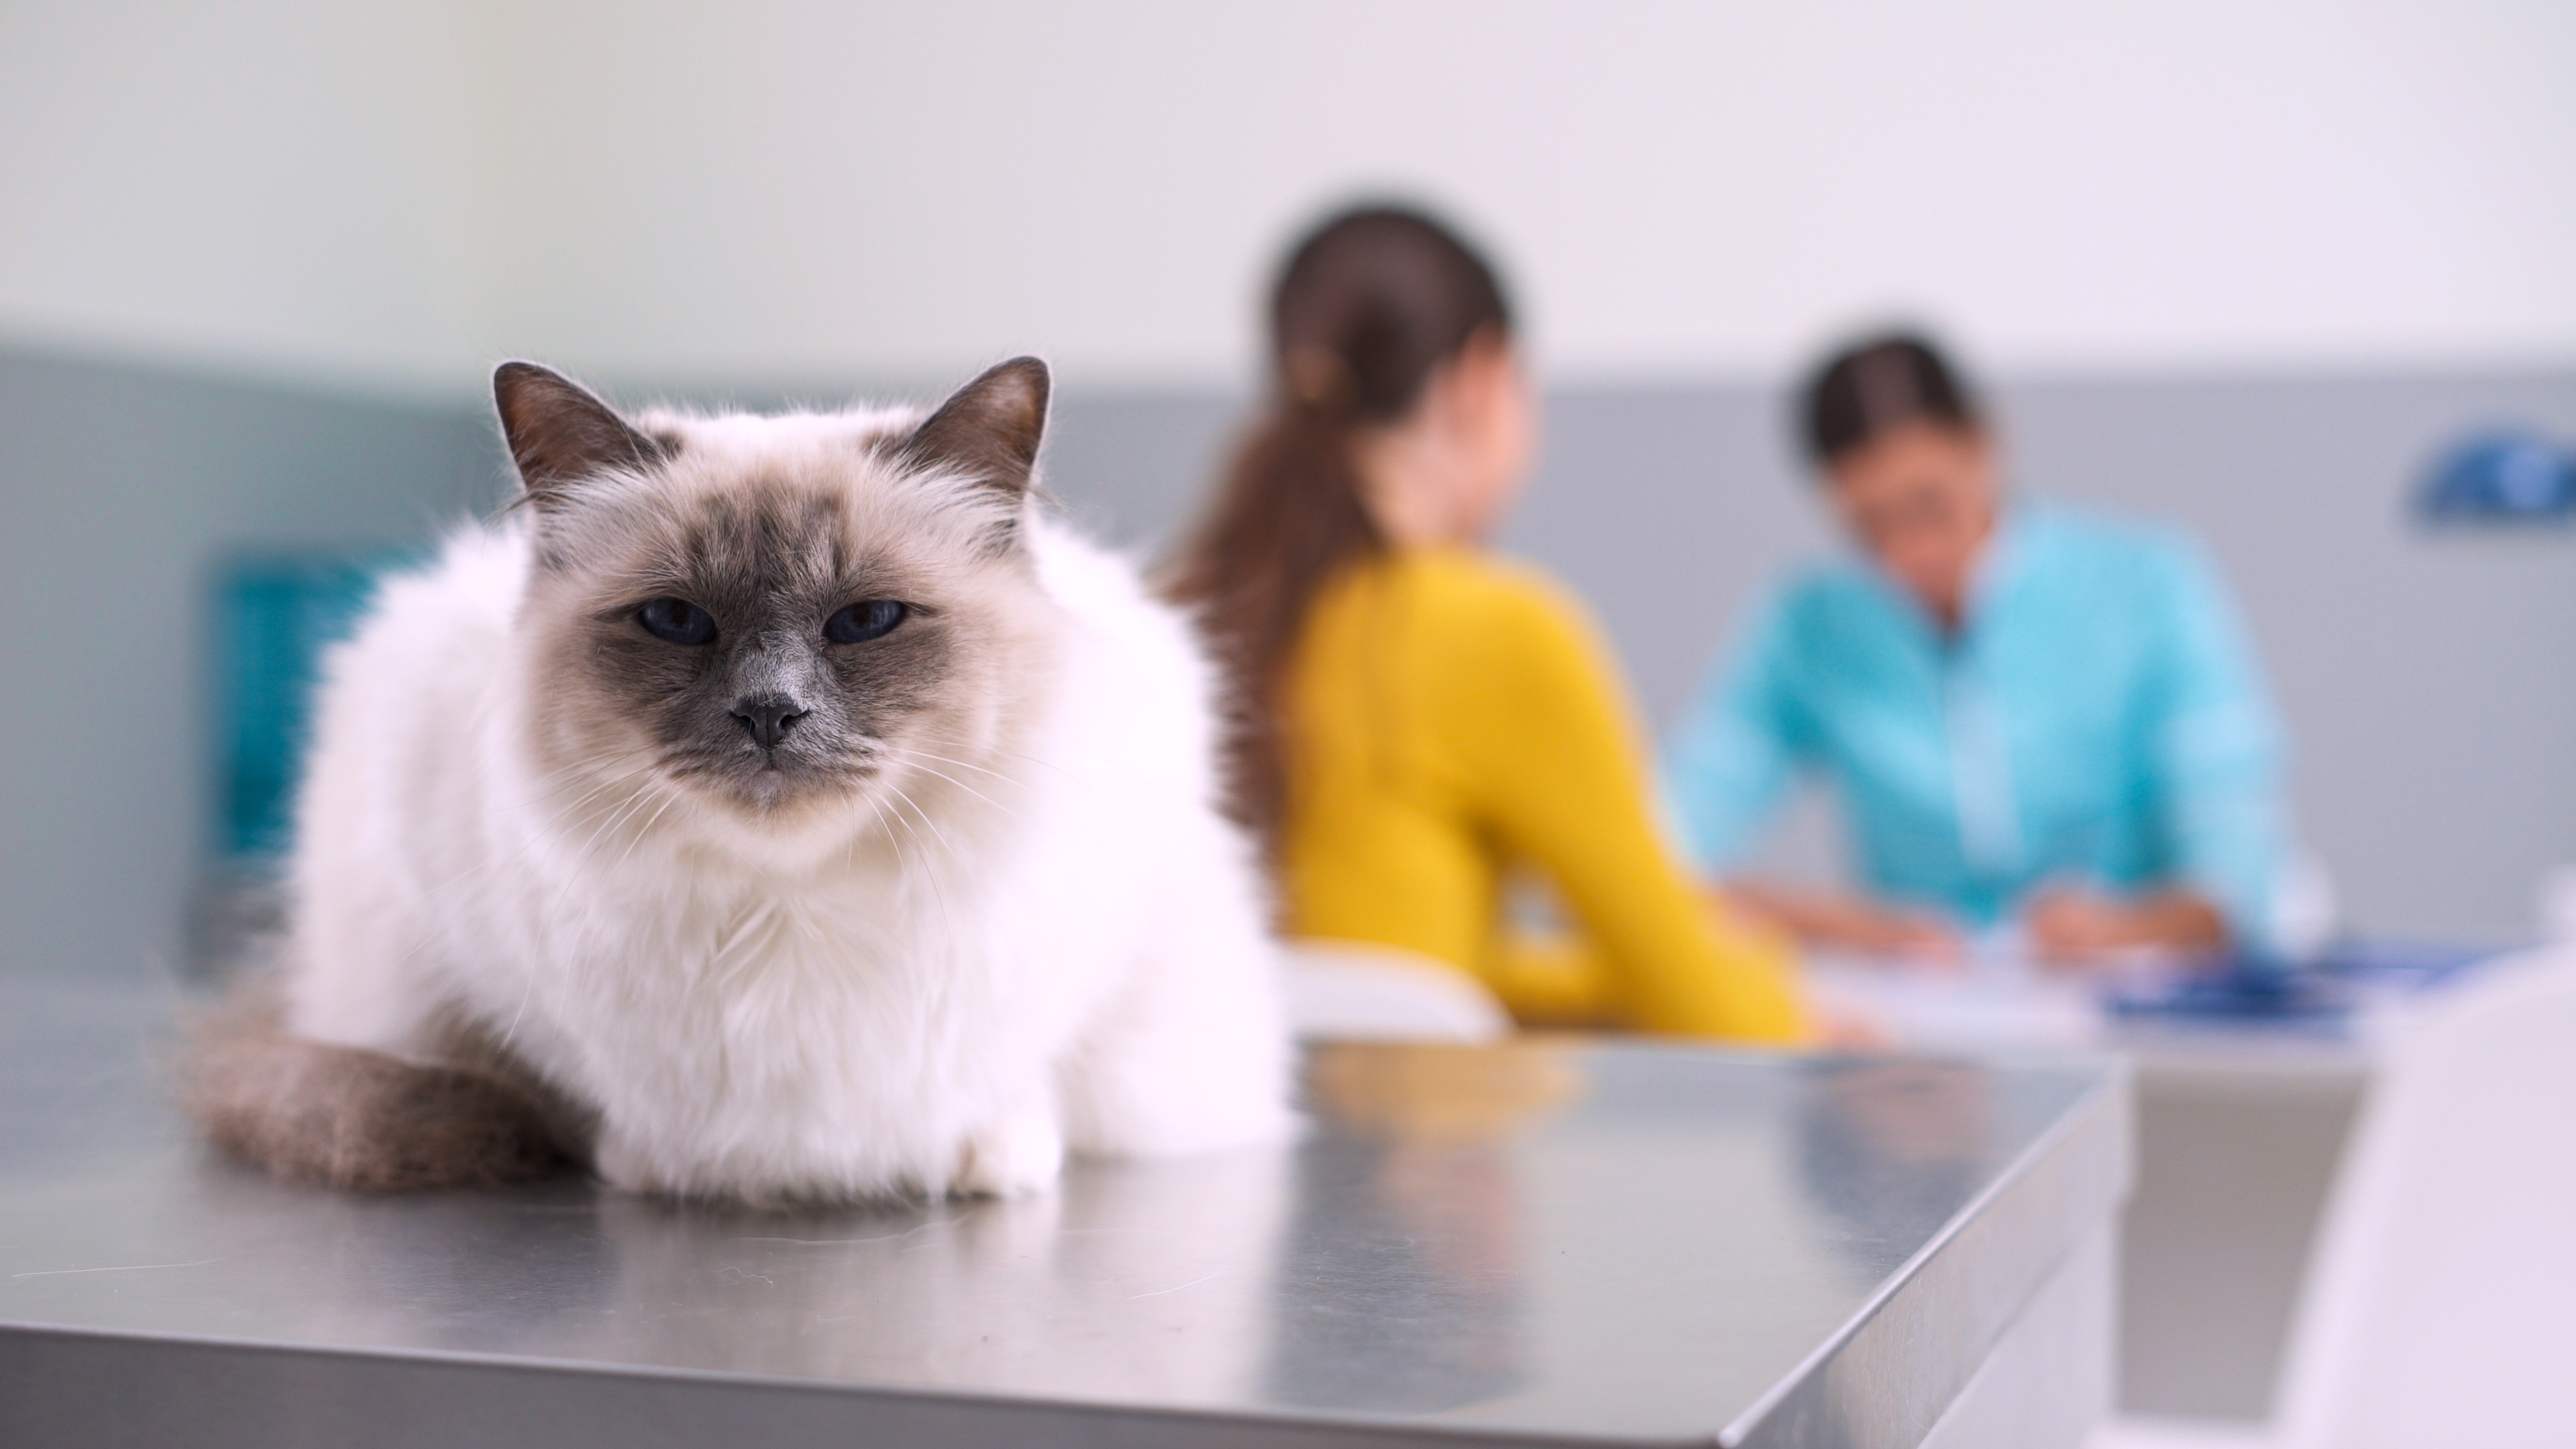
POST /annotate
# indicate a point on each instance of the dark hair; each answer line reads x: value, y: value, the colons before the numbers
x: 1880, y: 384
x: 1370, y: 304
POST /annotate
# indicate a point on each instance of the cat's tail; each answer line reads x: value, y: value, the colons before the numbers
x: 350, y: 1118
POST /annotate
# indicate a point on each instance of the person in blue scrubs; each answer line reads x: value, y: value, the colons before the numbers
x: 2033, y: 717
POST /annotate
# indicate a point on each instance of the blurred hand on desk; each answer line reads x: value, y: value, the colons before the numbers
x: 2074, y: 926
x: 2064, y: 925
x: 1835, y: 921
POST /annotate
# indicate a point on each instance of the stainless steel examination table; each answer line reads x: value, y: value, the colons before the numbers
x: 1546, y: 1242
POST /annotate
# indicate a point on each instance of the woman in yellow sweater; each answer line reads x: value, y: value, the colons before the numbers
x: 1419, y: 719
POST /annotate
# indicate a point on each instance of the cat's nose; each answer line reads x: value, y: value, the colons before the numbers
x: 767, y: 716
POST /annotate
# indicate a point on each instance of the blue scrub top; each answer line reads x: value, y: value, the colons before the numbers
x: 2098, y: 720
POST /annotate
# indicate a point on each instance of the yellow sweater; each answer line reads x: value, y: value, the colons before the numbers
x: 1449, y: 718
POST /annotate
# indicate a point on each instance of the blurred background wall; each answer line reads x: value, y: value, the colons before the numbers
x: 2241, y: 266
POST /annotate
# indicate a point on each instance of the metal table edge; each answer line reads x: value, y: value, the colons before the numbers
x: 540, y: 1385
x: 1973, y: 1276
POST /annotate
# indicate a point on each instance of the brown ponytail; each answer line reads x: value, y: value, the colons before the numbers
x: 1369, y: 306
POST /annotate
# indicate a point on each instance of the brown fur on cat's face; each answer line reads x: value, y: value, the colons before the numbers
x: 682, y: 612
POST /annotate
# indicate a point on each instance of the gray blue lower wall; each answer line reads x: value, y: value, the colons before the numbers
x: 125, y: 487
x: 2429, y: 679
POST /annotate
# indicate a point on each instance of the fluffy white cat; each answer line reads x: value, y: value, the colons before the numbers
x: 771, y: 808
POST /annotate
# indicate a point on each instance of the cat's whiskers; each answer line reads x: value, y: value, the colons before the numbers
x: 517, y: 857
x: 626, y: 810
x: 526, y: 992
x: 938, y: 891
x: 575, y: 767
x: 561, y: 811
x: 884, y: 831
x: 945, y: 843
x: 946, y: 760
x: 542, y: 786
x: 565, y: 812
x: 1014, y: 754
x: 529, y: 846
x: 609, y: 816
x: 670, y: 799
x: 915, y: 762
x: 562, y: 893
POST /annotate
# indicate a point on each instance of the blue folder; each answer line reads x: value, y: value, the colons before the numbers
x: 274, y: 615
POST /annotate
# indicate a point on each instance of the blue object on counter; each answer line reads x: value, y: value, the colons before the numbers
x: 2318, y: 994
x: 274, y: 616
x: 2244, y: 992
x: 2405, y: 965
x: 2502, y: 476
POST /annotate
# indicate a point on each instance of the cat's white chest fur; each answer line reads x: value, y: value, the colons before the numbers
x: 808, y: 1033
x: 855, y: 1024
x: 1041, y: 937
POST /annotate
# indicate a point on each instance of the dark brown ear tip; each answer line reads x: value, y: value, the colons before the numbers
x: 513, y: 375
x: 1032, y: 372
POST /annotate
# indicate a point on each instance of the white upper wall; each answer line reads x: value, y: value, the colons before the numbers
x: 274, y: 183
x: 786, y: 188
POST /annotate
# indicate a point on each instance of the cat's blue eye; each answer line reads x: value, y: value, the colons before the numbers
x: 862, y: 622
x: 677, y: 621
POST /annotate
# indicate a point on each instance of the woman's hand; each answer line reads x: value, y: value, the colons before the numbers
x: 1838, y: 922
x: 1848, y: 1029
x: 2075, y: 926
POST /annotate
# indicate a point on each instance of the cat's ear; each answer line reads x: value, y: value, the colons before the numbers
x: 559, y: 433
x: 989, y: 429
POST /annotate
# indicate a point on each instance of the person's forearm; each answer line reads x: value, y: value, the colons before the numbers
x: 1834, y: 919
x: 2178, y: 920
x: 2079, y: 925
x: 1802, y: 912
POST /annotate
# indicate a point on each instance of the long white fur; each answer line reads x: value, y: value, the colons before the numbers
x: 1044, y: 937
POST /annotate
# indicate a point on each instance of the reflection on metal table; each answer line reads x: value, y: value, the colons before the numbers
x: 2246, y: 1086
x: 1541, y: 1242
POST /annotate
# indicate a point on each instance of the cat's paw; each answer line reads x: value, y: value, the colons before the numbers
x: 1016, y: 1157
x: 625, y: 1167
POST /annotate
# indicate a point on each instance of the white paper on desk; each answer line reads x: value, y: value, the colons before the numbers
x: 1997, y: 996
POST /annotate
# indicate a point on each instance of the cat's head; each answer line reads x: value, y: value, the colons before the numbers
x: 789, y: 618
